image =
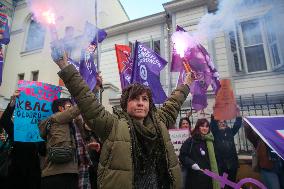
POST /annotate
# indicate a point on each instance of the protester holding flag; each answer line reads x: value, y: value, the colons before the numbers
x: 196, y: 154
x: 270, y: 165
x: 225, y: 147
x: 24, y: 170
x: 137, y: 151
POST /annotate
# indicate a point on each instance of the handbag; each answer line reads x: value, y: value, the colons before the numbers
x: 5, y: 159
x: 59, y: 155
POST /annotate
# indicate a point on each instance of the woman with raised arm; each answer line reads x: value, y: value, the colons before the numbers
x: 137, y: 151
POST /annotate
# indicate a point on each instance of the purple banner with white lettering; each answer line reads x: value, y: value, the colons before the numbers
x: 147, y: 67
x: 88, y: 69
x: 271, y: 131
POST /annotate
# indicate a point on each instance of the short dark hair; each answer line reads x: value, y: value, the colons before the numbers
x: 59, y: 102
x: 132, y: 91
x: 198, y: 124
x: 186, y: 119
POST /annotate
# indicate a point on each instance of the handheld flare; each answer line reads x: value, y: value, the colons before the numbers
x: 186, y: 66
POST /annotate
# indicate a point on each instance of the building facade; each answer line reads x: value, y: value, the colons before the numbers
x: 251, y: 54
x: 28, y: 54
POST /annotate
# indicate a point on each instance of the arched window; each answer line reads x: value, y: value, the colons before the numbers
x: 35, y: 36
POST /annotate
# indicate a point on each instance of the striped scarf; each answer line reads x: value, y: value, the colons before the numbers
x: 84, y: 161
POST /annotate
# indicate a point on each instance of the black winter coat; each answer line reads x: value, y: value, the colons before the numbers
x: 24, y: 171
x: 225, y: 148
x: 190, y: 153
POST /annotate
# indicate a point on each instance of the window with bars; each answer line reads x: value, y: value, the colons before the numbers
x: 35, y: 36
x: 254, y: 46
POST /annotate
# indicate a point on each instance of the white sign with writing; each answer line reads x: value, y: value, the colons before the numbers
x: 178, y: 136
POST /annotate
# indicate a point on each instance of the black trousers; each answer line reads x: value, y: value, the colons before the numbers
x: 60, y: 181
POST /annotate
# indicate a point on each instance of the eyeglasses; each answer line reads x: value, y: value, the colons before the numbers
x: 67, y: 106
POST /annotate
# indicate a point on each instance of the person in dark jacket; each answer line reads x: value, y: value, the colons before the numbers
x: 225, y: 147
x: 184, y: 123
x: 94, y: 149
x: 24, y: 171
x: 197, y: 153
x: 270, y: 165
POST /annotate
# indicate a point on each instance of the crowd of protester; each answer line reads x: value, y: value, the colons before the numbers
x: 87, y: 147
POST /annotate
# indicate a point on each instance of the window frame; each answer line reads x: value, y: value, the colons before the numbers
x: 19, y: 75
x: 29, y: 20
x: 260, y: 16
x: 264, y: 44
x: 33, y: 74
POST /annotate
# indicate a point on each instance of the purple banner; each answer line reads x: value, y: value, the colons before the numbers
x: 6, y: 34
x: 1, y: 64
x: 271, y: 131
x: 94, y: 34
x: 146, y: 70
x: 88, y: 68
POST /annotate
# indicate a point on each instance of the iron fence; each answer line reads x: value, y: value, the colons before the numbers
x: 250, y: 105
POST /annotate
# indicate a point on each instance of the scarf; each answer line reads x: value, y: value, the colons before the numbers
x: 148, y: 153
x: 212, y: 158
x: 84, y: 161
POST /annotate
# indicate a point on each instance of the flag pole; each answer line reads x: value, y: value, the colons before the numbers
x: 97, y: 34
x: 98, y: 46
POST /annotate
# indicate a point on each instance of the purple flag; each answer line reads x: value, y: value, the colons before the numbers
x: 1, y: 64
x: 146, y: 70
x: 179, y: 28
x: 201, y: 65
x: 88, y: 68
x: 271, y: 131
x: 6, y: 35
x: 91, y: 32
x: 5, y: 40
x: 74, y: 63
x: 176, y: 65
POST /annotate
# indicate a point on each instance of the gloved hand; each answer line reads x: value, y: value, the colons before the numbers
x: 57, y: 51
x: 195, y: 167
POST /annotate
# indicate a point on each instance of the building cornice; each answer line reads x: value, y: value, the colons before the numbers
x: 139, y: 23
x: 123, y: 9
x: 179, y: 5
x: 108, y: 85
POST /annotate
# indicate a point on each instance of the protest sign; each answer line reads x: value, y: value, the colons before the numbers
x: 32, y: 106
x: 225, y: 106
x: 178, y: 136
